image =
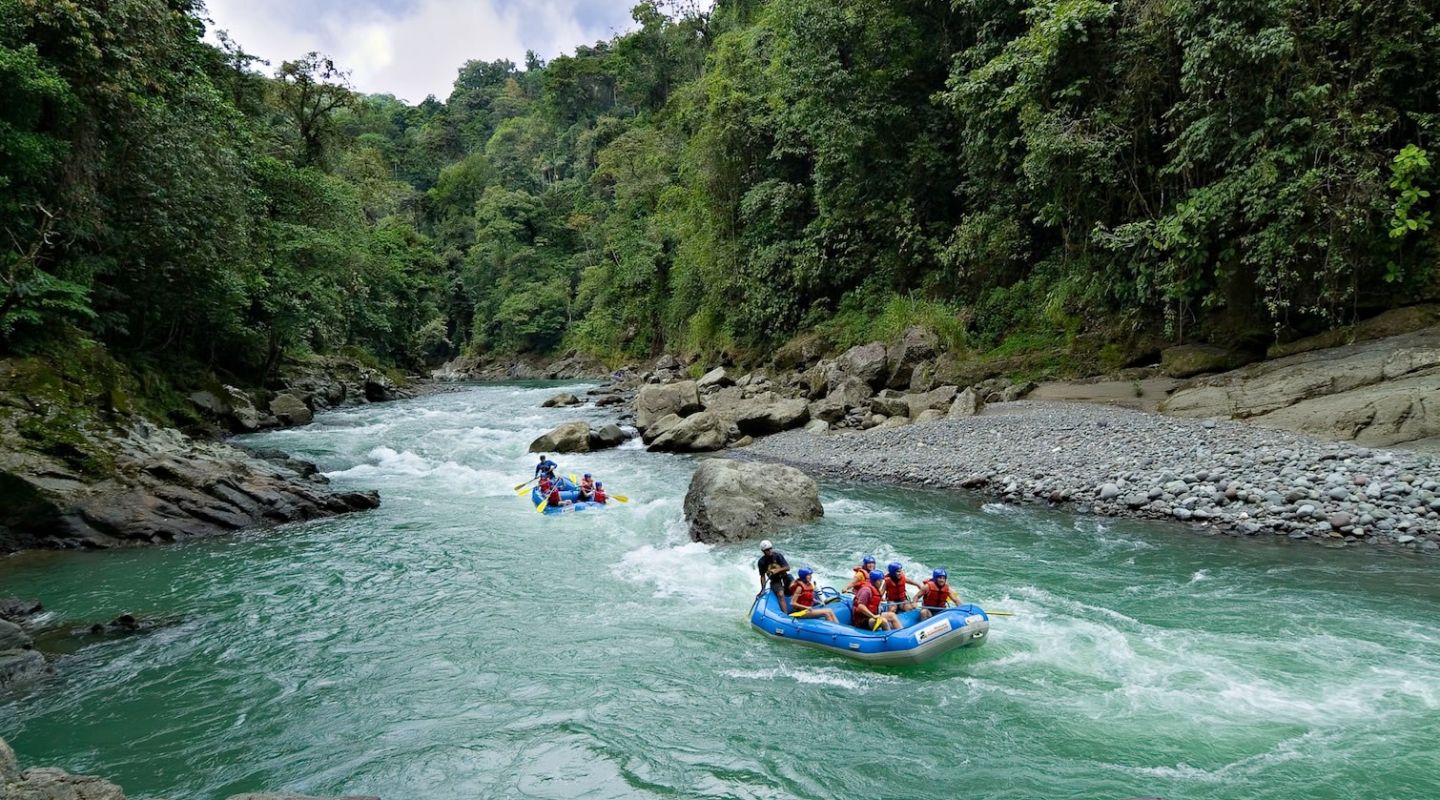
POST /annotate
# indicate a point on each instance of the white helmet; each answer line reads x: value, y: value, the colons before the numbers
x: 765, y: 545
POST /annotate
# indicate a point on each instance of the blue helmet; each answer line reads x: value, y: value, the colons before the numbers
x: 876, y: 575
x: 599, y: 484
x: 806, y: 572
x: 894, y: 567
x: 938, y: 574
x: 867, y: 560
x: 587, y: 475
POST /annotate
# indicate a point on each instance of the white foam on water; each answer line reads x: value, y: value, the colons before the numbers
x: 821, y: 676
x: 1200, y: 575
x: 999, y: 508
x: 690, y: 571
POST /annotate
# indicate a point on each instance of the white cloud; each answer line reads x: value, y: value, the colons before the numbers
x: 415, y: 50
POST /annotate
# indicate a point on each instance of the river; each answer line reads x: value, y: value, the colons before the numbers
x: 454, y: 643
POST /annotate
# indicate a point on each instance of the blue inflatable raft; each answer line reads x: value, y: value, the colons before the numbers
x: 568, y: 491
x: 917, y: 642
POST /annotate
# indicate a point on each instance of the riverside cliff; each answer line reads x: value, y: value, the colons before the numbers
x: 87, y: 460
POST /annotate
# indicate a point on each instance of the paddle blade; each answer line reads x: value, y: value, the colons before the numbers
x: 540, y: 508
x: 520, y: 486
x: 521, y: 489
x: 1000, y: 613
x: 622, y: 498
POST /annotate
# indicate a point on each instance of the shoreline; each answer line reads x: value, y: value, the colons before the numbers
x: 1230, y: 477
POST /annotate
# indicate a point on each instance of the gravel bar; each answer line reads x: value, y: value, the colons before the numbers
x: 1227, y: 476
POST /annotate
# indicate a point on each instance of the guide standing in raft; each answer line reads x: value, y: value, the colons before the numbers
x: 775, y: 571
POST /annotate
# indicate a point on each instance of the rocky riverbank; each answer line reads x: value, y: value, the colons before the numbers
x: 86, y: 463
x: 48, y: 783
x: 1218, y: 475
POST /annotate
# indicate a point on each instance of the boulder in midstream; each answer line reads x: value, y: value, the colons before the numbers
x: 730, y: 501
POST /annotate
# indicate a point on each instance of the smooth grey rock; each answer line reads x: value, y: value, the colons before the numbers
x: 938, y: 399
x: 1109, y: 491
x: 290, y: 410
x: 656, y: 430
x: 607, y: 436
x: 716, y: 378
x: 967, y: 404
x: 817, y: 426
x: 893, y: 422
x: 866, y: 362
x: 929, y: 415
x: 571, y: 437
x: 12, y: 636
x: 773, y: 417
x: 697, y: 433
x: 827, y: 409
x: 657, y: 401
x: 889, y: 405
x: 731, y: 501
x: 561, y: 400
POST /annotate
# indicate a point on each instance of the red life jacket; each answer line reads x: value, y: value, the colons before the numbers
x: 804, y: 593
x: 554, y: 497
x: 895, y: 589
x: 544, y: 486
x: 866, y: 596
x: 934, y: 594
x: 600, y: 495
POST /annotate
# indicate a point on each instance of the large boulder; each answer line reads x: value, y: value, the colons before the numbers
x: 716, y: 378
x: 607, y: 436
x: 698, y: 433
x: 867, y: 362
x: 933, y: 400
x: 561, y: 400
x: 967, y: 404
x: 658, y: 400
x: 659, y: 427
x: 13, y: 637
x: 731, y: 501
x: 890, y: 403
x: 1376, y: 393
x: 828, y: 409
x: 572, y: 437
x: 290, y: 410
x: 851, y: 392
x: 916, y: 345
x: 1188, y: 360
x: 781, y: 415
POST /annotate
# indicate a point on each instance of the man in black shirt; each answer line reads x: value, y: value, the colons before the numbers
x: 775, y: 571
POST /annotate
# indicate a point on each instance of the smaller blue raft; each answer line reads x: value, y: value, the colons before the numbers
x: 568, y: 491
x: 962, y: 626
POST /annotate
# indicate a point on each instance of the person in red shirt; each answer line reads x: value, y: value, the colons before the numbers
x: 865, y: 608
x: 802, y: 598
x: 587, y: 487
x: 935, y: 593
x: 896, y: 587
x: 600, y: 496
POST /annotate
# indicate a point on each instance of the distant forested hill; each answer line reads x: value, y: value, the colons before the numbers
x: 1013, y: 174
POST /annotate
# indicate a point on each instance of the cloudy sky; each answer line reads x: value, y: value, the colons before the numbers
x: 411, y: 48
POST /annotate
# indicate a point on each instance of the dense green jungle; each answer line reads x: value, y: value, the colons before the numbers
x: 1081, y: 178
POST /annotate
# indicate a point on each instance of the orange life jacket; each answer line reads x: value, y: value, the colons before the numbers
x: 869, y: 598
x: 895, y: 589
x: 804, y: 593
x: 934, y: 594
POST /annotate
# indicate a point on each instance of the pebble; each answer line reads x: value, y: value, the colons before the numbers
x: 1273, y: 481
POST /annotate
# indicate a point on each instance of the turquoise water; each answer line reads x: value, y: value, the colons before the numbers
x: 456, y: 644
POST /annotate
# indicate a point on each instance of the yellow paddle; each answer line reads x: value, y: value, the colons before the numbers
x: 622, y: 498
x: 521, y: 488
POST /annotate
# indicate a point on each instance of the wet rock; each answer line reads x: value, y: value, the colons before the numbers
x: 659, y: 400
x: 703, y: 432
x: 290, y: 410
x: 21, y: 667
x: 15, y: 609
x: 605, y: 400
x: 561, y: 400
x: 377, y: 387
x: 571, y: 437
x: 731, y: 501
x: 607, y: 436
